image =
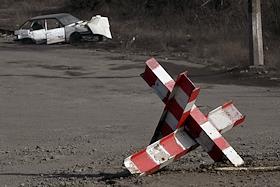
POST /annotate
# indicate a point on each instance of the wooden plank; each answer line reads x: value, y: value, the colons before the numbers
x: 255, y: 33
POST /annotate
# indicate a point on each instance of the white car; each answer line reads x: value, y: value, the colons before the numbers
x: 57, y: 28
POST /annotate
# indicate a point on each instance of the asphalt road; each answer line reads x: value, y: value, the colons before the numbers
x: 70, y: 115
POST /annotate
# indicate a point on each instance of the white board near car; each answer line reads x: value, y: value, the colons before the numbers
x: 100, y: 25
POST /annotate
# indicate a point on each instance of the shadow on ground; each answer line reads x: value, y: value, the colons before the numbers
x: 101, y: 176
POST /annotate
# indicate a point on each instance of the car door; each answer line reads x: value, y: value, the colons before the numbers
x: 38, y: 31
x: 55, y: 31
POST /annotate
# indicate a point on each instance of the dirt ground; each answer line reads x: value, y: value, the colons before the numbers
x: 69, y: 116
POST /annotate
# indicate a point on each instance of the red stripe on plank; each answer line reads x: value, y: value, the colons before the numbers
x: 152, y: 170
x: 143, y: 161
x: 165, y: 100
x: 227, y: 104
x: 186, y: 114
x: 194, y: 94
x: 185, y: 83
x: 216, y: 154
x: 149, y: 76
x: 166, y: 129
x: 198, y: 116
x: 170, y: 85
x: 192, y: 127
x: 170, y: 145
x: 221, y: 143
x: 238, y: 122
x: 152, y: 63
x: 178, y: 156
x: 175, y: 108
x: 183, y: 119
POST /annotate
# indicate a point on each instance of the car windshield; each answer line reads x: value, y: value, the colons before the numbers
x: 68, y: 19
x: 26, y: 25
x: 34, y: 25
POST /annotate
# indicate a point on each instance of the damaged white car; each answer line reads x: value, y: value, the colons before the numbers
x: 57, y: 28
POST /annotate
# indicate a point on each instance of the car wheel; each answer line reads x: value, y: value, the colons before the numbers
x: 27, y: 41
x: 98, y: 38
x: 75, y: 38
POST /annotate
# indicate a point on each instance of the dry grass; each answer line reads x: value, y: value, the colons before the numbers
x: 17, y: 11
x: 215, y: 34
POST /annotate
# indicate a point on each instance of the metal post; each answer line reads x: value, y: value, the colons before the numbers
x: 255, y: 33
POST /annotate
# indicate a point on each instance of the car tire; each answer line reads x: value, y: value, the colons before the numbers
x: 98, y: 38
x: 75, y: 38
x: 27, y: 41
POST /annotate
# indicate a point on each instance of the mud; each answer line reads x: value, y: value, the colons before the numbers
x: 69, y: 115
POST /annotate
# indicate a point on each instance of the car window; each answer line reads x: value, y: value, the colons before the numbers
x: 26, y: 25
x: 68, y: 19
x: 53, y: 24
x: 38, y: 24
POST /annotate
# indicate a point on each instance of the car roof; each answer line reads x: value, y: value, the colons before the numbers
x: 51, y: 16
x: 64, y: 18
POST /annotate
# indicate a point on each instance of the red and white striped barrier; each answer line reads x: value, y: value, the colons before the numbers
x: 205, y: 133
x: 183, y: 127
x: 160, y: 153
x: 178, y: 105
x: 178, y: 96
x: 157, y: 78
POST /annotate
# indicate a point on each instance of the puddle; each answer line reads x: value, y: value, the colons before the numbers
x: 70, y: 77
x: 130, y: 66
x: 60, y: 67
x: 19, y: 62
x: 123, y: 57
x: 14, y: 62
x: 44, y: 66
x: 76, y: 73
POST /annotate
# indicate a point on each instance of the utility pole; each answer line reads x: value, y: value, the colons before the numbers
x: 255, y: 33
